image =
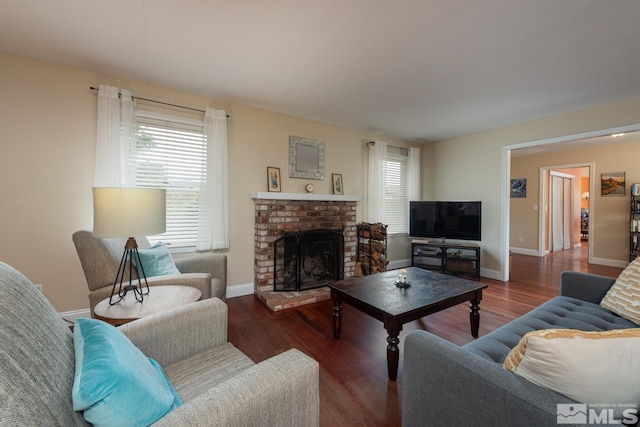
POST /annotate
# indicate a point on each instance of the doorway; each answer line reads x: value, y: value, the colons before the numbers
x: 599, y: 137
x: 568, y: 214
x: 560, y: 211
x: 564, y: 195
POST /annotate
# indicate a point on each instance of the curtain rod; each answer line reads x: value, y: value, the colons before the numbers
x: 388, y: 145
x: 160, y: 102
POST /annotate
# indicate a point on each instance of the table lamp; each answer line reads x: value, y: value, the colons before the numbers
x: 128, y: 212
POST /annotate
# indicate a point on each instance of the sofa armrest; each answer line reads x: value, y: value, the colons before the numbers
x: 585, y: 286
x: 280, y: 391
x: 442, y: 381
x: 181, y: 332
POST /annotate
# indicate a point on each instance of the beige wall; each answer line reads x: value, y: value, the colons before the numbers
x: 609, y: 216
x: 48, y: 122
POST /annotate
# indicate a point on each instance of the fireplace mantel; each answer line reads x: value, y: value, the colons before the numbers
x: 264, y: 195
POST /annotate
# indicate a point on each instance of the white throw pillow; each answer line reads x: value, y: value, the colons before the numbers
x: 587, y: 367
x: 624, y: 296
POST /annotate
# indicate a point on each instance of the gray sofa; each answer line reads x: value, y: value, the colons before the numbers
x: 218, y: 384
x: 445, y: 384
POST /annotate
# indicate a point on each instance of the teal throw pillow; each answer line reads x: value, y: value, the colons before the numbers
x: 115, y: 384
x: 156, y: 261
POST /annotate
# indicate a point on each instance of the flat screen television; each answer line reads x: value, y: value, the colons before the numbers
x: 445, y: 220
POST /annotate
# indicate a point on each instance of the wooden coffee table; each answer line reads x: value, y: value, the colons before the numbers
x: 160, y: 298
x: 379, y: 297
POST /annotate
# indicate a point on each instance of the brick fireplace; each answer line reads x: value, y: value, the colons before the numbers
x: 280, y: 213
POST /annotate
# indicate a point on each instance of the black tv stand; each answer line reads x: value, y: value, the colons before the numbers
x: 450, y: 258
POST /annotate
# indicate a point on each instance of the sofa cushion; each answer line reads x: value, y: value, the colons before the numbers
x: 559, y: 312
x: 115, y: 383
x: 588, y: 367
x: 623, y: 298
x: 156, y: 261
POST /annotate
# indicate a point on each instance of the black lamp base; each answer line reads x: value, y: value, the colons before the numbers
x: 130, y: 253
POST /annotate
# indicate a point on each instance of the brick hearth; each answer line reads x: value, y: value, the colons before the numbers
x: 277, y: 213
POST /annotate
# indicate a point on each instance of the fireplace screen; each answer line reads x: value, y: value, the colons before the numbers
x: 308, y: 259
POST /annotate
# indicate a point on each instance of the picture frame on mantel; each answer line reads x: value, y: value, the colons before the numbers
x: 274, y: 183
x: 338, y: 186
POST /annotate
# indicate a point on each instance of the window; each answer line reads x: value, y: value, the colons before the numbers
x: 396, y: 205
x: 186, y: 156
x: 171, y: 152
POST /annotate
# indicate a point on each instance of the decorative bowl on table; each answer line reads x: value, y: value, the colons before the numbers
x: 402, y: 281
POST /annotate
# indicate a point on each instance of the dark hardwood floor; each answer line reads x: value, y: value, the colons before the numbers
x: 354, y: 388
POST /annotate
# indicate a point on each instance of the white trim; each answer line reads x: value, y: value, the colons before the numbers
x: 490, y: 273
x: 610, y: 262
x: 168, y: 118
x: 262, y: 195
x: 72, y: 316
x: 524, y: 251
x: 505, y: 209
x: 584, y: 135
x: 240, y: 290
x: 399, y: 263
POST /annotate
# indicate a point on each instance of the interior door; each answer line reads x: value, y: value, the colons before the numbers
x: 561, y: 224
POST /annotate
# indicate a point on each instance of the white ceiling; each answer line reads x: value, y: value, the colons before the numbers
x: 415, y: 69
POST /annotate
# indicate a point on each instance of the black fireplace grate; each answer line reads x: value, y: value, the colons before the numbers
x: 308, y: 259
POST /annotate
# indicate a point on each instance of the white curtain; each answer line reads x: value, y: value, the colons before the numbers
x: 213, y: 221
x: 375, y: 181
x: 413, y: 174
x: 114, y: 138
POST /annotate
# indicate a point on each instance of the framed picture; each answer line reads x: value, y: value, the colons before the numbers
x: 273, y: 179
x: 612, y: 184
x: 518, y: 188
x: 338, y: 187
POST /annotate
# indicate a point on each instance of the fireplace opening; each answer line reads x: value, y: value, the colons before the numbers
x: 308, y: 259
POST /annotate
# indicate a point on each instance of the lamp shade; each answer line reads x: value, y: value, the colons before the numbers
x: 128, y: 212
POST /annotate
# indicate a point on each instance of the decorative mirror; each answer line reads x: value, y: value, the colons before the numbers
x: 306, y: 158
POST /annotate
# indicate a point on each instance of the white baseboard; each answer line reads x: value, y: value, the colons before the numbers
x: 523, y: 251
x: 72, y: 316
x: 490, y: 274
x: 399, y: 263
x: 610, y: 262
x: 240, y: 290
x: 598, y: 261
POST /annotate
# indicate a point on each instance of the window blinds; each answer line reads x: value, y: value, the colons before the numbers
x: 396, y: 201
x: 170, y: 152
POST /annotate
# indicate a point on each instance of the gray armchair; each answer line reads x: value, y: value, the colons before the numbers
x: 217, y: 383
x: 100, y: 259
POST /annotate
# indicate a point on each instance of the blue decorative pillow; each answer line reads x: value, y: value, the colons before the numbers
x: 115, y: 384
x: 156, y: 261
